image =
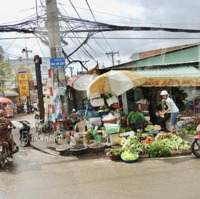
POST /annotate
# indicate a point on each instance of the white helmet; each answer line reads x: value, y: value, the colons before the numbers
x: 164, y: 92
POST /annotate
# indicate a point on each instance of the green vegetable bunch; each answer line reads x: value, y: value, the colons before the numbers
x: 131, y: 143
x: 149, y: 128
x: 128, y: 155
x: 176, y: 143
x: 115, y: 152
x: 159, y: 149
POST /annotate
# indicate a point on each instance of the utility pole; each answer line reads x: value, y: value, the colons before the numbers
x: 71, y: 70
x: 55, y: 41
x: 112, y: 55
x: 26, y: 51
x: 27, y: 64
x: 53, y: 28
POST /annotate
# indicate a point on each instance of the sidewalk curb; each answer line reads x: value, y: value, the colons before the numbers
x: 46, y: 151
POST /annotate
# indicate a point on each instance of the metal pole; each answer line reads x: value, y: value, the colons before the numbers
x: 38, y: 61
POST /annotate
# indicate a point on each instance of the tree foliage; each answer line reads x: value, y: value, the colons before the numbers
x: 6, y: 75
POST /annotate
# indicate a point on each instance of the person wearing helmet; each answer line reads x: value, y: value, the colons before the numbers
x: 172, y: 109
x: 5, y: 134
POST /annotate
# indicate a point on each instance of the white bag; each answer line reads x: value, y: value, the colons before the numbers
x: 112, y: 100
x: 95, y: 121
x: 95, y: 95
x: 97, y: 102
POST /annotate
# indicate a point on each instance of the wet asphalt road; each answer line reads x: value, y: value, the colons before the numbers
x: 35, y: 175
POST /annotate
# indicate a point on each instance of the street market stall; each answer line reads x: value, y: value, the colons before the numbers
x: 7, y: 105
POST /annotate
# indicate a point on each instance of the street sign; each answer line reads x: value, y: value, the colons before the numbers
x: 57, y: 62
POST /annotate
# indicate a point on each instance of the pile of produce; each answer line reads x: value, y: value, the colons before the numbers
x: 157, y: 127
x: 158, y: 149
x: 96, y: 145
x: 132, y: 143
x: 125, y: 129
x: 151, y: 127
x: 128, y: 155
x: 162, y: 135
x: 78, y: 147
x: 148, y: 140
x: 175, y: 143
x: 189, y: 129
x: 103, y: 108
x: 115, y: 152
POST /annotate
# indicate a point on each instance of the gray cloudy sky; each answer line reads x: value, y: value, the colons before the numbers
x: 164, y: 13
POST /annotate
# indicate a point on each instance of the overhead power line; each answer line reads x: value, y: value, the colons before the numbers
x: 96, y: 21
x: 85, y: 24
x: 114, y: 38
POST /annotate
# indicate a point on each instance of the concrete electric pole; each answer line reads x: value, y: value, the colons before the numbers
x: 112, y: 55
x: 57, y: 61
x: 55, y: 41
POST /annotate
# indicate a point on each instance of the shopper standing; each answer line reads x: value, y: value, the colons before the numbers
x: 172, y: 109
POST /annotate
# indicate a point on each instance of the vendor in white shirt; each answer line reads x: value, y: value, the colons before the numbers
x: 172, y: 109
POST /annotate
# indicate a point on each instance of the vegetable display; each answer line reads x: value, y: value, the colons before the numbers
x: 115, y: 152
x: 163, y: 135
x: 149, y: 128
x: 159, y: 149
x: 148, y: 140
x: 175, y: 143
x: 132, y: 143
x: 190, y: 129
x: 127, y: 129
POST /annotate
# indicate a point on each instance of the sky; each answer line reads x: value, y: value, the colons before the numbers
x: 155, y: 13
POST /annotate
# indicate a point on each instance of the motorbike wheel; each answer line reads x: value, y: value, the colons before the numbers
x: 196, y: 147
x: 3, y: 163
x: 24, y: 139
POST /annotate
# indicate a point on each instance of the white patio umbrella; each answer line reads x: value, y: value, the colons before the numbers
x: 116, y: 82
x: 81, y: 82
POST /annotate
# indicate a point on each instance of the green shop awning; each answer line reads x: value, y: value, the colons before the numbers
x: 9, y: 94
x: 170, y: 76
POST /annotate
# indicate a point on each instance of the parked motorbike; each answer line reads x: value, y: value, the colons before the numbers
x: 5, y: 151
x: 196, y: 143
x: 25, y: 135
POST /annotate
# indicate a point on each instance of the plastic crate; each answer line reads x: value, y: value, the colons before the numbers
x: 112, y: 128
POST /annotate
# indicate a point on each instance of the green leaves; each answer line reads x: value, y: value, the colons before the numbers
x: 5, y: 74
x: 159, y: 149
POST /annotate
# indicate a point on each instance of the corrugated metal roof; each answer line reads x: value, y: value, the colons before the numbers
x: 183, y: 55
x: 183, y: 71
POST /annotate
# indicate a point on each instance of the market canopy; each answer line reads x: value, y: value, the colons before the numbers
x: 9, y: 94
x: 4, y: 100
x: 170, y: 76
x: 116, y: 82
x: 81, y: 82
